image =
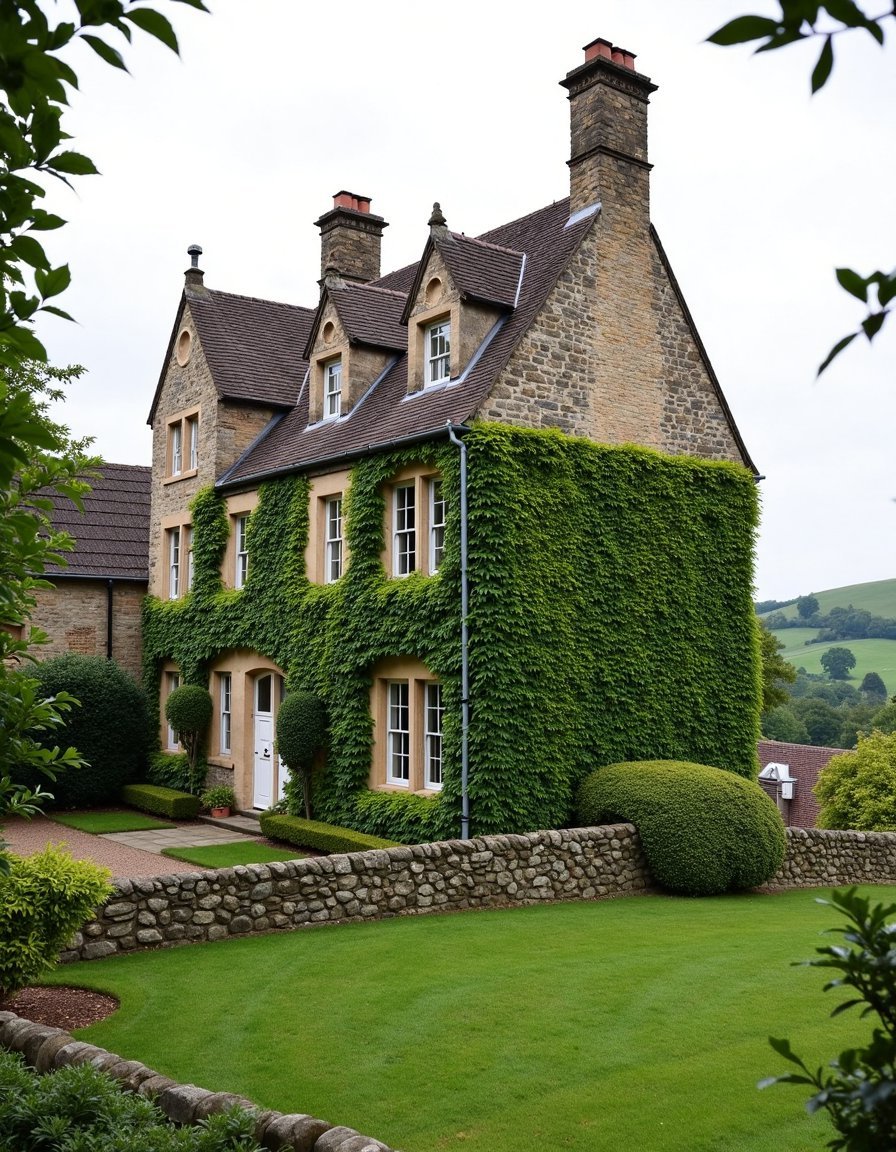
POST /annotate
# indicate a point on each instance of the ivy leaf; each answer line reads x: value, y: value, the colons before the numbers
x: 155, y: 24
x: 743, y: 29
x: 53, y: 281
x: 45, y: 221
x: 822, y: 70
x: 57, y: 312
x: 27, y: 248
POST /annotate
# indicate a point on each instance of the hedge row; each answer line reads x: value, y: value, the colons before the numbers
x: 161, y: 801
x: 322, y: 837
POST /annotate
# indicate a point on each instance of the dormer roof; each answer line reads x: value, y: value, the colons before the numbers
x: 368, y: 315
x: 483, y: 272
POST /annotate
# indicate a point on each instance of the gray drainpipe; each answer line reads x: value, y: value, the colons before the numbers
x: 110, y: 584
x: 464, y: 640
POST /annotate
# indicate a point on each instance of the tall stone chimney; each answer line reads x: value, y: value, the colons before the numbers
x: 350, y: 238
x: 608, y: 131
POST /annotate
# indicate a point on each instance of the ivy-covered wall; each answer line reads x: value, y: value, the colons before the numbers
x: 610, y: 619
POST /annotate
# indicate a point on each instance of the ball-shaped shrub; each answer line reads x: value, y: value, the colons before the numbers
x: 189, y: 709
x: 703, y: 830
x: 301, y: 729
x: 110, y: 729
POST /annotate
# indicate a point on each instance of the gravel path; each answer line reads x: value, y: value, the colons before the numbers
x: 27, y: 836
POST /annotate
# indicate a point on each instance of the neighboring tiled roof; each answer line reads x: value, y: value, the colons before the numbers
x: 369, y: 315
x: 387, y: 412
x: 254, y: 348
x: 805, y: 763
x: 112, y: 533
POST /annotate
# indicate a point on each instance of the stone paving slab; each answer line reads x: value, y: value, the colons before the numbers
x: 183, y: 836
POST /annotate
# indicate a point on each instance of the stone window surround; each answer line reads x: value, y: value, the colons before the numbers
x: 332, y: 377
x: 181, y: 521
x: 241, y: 505
x: 421, y: 475
x: 418, y: 351
x: 417, y: 675
x: 336, y: 347
x: 184, y: 420
x: 324, y: 488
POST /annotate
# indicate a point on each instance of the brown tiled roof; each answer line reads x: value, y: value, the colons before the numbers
x: 387, y: 412
x: 480, y: 271
x: 369, y: 315
x: 112, y: 533
x: 254, y: 348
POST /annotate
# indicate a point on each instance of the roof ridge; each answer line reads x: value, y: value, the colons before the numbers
x: 260, y: 300
x: 488, y: 243
x: 374, y: 288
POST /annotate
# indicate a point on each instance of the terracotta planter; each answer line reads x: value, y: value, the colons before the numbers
x: 220, y: 813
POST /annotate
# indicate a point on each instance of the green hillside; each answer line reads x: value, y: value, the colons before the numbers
x: 877, y: 597
x: 871, y: 655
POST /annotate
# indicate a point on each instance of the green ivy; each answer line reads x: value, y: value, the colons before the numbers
x: 610, y: 619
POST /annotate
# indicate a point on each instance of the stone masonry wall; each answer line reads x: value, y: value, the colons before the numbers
x: 73, y: 614
x: 493, y: 871
x: 46, y: 1049
x: 488, y: 872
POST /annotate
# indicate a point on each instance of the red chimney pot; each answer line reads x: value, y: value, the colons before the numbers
x: 598, y: 47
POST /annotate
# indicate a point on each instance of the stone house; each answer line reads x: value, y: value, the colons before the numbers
x: 94, y: 606
x: 310, y: 483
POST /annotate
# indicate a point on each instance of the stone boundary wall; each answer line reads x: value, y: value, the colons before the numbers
x: 488, y: 872
x: 46, y: 1049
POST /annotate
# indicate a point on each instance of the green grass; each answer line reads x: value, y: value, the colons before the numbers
x: 877, y: 597
x: 871, y: 656
x: 637, y: 1023
x: 229, y: 855
x: 123, y: 820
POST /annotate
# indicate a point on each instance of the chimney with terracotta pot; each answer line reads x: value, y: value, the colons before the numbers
x: 608, y: 129
x: 350, y: 238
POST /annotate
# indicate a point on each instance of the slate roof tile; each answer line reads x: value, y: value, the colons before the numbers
x: 112, y: 533
x: 371, y: 315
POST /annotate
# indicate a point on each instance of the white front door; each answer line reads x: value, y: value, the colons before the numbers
x: 263, y: 790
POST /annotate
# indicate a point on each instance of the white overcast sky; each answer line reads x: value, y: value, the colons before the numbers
x: 758, y: 192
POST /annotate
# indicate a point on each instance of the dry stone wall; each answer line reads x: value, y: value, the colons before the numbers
x: 46, y: 1049
x: 489, y: 872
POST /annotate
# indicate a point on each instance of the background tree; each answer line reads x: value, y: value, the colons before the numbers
x: 821, y: 721
x: 776, y: 672
x: 800, y: 20
x: 806, y: 607
x: 189, y: 712
x: 873, y: 688
x: 858, y: 789
x: 301, y: 733
x: 838, y: 663
x: 783, y: 724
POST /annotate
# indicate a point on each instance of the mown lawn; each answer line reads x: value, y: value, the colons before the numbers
x: 636, y: 1024
x: 99, y: 821
x: 230, y: 855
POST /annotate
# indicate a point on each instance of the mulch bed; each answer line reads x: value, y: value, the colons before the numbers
x: 61, y: 1007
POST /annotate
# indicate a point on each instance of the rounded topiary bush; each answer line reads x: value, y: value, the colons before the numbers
x: 301, y: 733
x: 703, y: 830
x: 110, y: 729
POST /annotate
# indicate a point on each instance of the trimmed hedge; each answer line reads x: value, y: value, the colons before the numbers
x: 110, y: 729
x: 323, y: 837
x: 704, y: 830
x: 161, y: 801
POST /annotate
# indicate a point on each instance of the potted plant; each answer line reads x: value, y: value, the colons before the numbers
x: 219, y: 800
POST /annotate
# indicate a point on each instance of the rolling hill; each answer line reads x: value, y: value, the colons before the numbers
x: 877, y: 597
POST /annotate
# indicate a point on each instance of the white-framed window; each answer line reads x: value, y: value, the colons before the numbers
x: 332, y: 389
x: 433, y: 711
x: 177, y: 449
x: 404, y: 529
x: 333, y: 539
x: 188, y: 532
x: 225, y: 700
x: 172, y: 681
x: 398, y: 737
x: 173, y: 563
x: 240, y: 532
x: 193, y: 440
x: 437, y: 353
x: 436, y: 524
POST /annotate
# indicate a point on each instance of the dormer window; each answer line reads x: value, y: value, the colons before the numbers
x: 333, y: 389
x: 437, y: 340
